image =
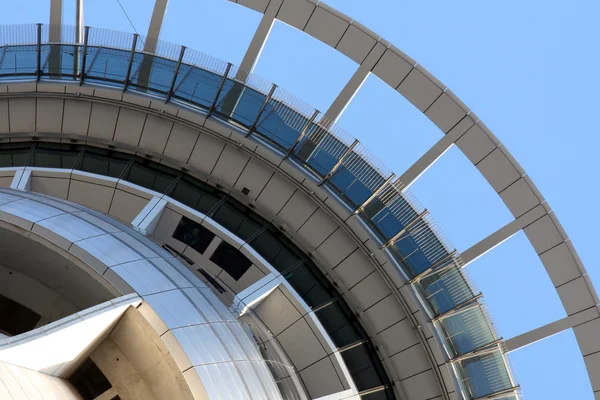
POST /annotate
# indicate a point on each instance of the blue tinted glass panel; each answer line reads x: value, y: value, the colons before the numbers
x: 154, y: 74
x: 18, y: 61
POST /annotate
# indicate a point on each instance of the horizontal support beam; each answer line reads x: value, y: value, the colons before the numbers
x: 502, y: 234
x: 551, y: 329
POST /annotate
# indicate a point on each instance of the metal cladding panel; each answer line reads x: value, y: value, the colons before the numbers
x: 174, y: 309
x: 109, y: 250
x: 22, y: 115
x: 49, y: 115
x: 171, y: 272
x: 103, y: 121
x: 180, y: 143
x: 356, y: 43
x: 30, y: 210
x: 129, y: 126
x: 143, y: 278
x: 155, y: 134
x: 202, y: 344
x: 209, y: 313
x: 222, y: 382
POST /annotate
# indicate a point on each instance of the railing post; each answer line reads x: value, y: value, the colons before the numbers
x: 375, y: 194
x: 170, y: 92
x: 212, y: 107
x: 86, y: 35
x: 339, y: 162
x: 302, y: 133
x: 38, y: 71
x: 262, y: 109
x: 131, y: 56
x: 395, y: 238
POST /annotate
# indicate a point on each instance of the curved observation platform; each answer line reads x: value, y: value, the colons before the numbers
x: 396, y: 235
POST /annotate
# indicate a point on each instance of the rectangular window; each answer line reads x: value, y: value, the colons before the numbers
x: 55, y: 155
x: 193, y: 234
x: 231, y: 260
x: 150, y: 174
x: 103, y: 162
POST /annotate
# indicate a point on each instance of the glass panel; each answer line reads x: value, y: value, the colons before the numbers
x: 196, y: 194
x: 154, y: 74
x: 14, y: 154
x: 445, y: 290
x: 241, y: 104
x: 59, y: 61
x: 363, y: 365
x: 467, y: 330
x: 341, y: 324
x: 484, y: 375
x: 238, y: 219
x: 200, y: 87
x: 55, y: 155
x: 103, y: 162
x: 18, y: 60
x: 193, y: 234
x: 231, y: 260
x: 150, y: 174
x: 281, y: 125
x: 110, y: 65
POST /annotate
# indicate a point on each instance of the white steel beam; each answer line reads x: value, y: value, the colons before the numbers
x: 55, y: 19
x: 502, y: 234
x: 553, y: 328
x: 347, y: 94
x: 435, y: 152
x: 258, y: 41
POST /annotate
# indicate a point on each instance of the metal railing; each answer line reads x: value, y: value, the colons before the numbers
x: 276, y: 117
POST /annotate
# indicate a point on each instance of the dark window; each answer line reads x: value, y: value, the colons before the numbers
x: 150, y: 174
x: 363, y: 364
x: 231, y: 260
x: 14, y: 154
x: 89, y: 380
x: 103, y: 162
x: 196, y: 194
x: 341, y: 324
x: 55, y: 155
x: 193, y: 234
x: 238, y: 219
x: 15, y: 318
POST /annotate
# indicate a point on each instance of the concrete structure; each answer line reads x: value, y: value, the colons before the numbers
x: 251, y: 248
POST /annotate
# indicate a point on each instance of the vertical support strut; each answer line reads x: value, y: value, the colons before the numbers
x: 79, y: 36
x: 170, y: 92
x: 340, y: 161
x: 131, y: 56
x: 262, y: 109
x: 86, y: 35
x: 212, y: 107
x: 302, y: 133
x: 38, y: 71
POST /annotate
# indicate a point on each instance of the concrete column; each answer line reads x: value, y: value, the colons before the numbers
x: 147, y: 220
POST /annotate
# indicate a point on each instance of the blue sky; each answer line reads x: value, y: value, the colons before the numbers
x: 529, y: 70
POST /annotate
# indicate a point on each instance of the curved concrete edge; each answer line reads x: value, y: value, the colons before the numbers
x: 178, y: 299
x: 477, y: 142
x: 193, y: 137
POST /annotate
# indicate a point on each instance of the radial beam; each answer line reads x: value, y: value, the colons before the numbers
x: 158, y: 15
x: 502, y: 234
x: 258, y: 40
x: 55, y: 19
x: 435, y: 152
x: 553, y: 328
x: 347, y: 94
